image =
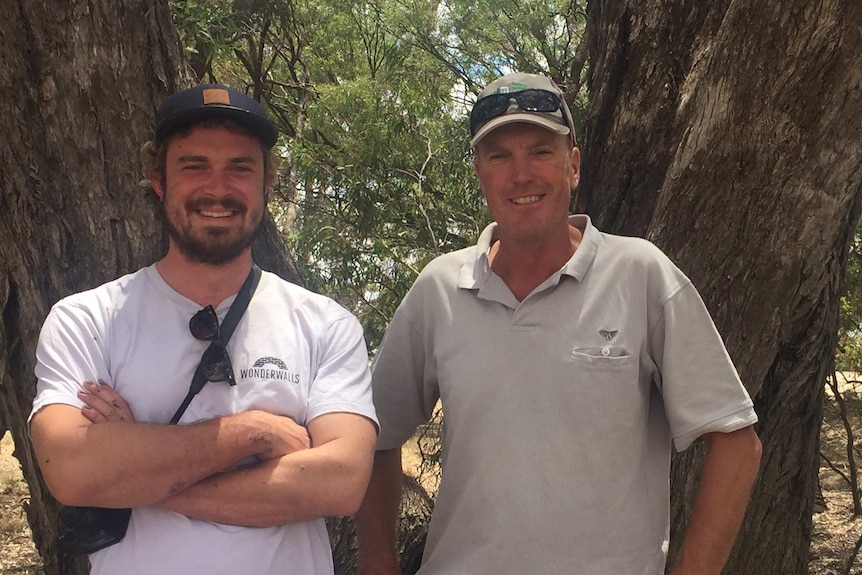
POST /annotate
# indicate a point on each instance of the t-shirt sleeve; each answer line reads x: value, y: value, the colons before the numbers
x: 699, y: 384
x: 342, y: 382
x: 404, y: 380
x: 70, y: 351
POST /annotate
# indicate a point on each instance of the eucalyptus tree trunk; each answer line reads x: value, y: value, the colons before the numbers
x: 80, y: 82
x: 730, y: 134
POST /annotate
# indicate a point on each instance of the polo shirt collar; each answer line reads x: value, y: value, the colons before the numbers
x: 476, y: 272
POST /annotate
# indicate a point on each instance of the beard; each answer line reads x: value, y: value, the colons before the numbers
x: 212, y: 245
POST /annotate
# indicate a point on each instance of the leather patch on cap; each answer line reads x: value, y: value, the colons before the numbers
x: 216, y: 96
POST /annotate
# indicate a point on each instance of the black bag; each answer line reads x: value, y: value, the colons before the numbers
x: 85, y: 530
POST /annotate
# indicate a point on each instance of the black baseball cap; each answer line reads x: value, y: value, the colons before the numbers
x: 213, y: 101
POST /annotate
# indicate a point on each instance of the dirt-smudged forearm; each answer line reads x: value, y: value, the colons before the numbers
x: 132, y: 464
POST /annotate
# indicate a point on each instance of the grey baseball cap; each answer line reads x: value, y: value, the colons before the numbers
x: 492, y: 109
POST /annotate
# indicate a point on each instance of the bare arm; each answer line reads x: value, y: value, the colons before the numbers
x: 377, y: 519
x: 328, y: 479
x: 729, y: 471
x: 125, y: 464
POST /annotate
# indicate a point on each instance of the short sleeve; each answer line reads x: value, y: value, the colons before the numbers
x: 404, y: 380
x: 699, y: 384
x: 70, y: 351
x: 342, y: 382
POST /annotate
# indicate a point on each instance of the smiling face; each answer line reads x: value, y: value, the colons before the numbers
x: 213, y: 192
x: 527, y: 174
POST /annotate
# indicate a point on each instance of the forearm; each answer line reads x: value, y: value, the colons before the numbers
x: 133, y: 464
x: 326, y: 480
x: 729, y: 471
x: 377, y: 518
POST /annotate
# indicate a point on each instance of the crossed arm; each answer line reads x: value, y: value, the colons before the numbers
x: 100, y: 456
x: 328, y: 479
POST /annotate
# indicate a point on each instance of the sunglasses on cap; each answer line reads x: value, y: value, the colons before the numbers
x: 533, y: 100
x: 215, y: 362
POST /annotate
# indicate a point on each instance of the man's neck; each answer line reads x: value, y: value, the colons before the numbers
x: 525, y: 267
x: 204, y: 284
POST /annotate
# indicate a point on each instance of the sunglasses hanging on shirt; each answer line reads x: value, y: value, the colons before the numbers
x: 215, y: 364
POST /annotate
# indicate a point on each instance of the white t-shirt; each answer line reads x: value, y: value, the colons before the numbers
x: 294, y: 353
x: 559, y: 410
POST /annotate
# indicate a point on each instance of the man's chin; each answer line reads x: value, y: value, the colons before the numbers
x: 213, y: 244
x: 216, y: 249
x: 210, y: 256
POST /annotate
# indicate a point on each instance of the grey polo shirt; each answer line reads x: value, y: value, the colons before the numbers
x: 559, y: 409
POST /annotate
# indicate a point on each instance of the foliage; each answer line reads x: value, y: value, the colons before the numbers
x: 482, y: 39
x: 372, y: 99
x: 207, y: 30
x: 848, y: 354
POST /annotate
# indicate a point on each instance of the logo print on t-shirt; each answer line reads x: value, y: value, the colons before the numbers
x: 269, y: 368
x: 608, y: 335
x: 273, y: 360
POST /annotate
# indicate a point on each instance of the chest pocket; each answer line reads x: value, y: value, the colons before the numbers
x: 606, y: 357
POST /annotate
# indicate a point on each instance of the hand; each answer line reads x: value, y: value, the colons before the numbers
x: 280, y: 435
x: 104, y: 404
x: 295, y: 436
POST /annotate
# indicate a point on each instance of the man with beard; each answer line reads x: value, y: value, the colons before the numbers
x: 242, y: 483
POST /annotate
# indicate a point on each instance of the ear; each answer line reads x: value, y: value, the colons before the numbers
x: 576, y: 167
x: 477, y: 169
x: 156, y: 184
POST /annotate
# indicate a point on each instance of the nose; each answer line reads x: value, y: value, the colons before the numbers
x: 217, y: 185
x: 521, y: 169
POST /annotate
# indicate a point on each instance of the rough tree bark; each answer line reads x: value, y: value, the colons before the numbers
x: 728, y: 133
x: 80, y: 82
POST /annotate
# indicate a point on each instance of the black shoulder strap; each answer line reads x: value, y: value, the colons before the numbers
x: 237, y: 308
x: 234, y: 314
